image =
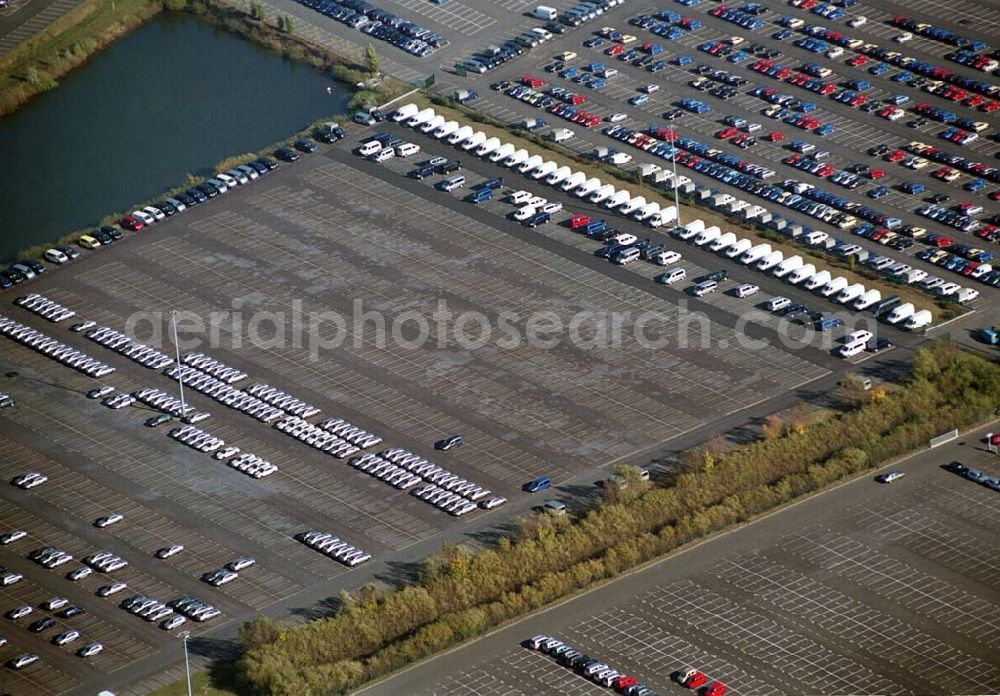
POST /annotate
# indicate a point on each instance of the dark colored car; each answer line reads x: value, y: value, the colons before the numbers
x: 879, y: 344
x: 267, y: 162
x: 71, y: 252
x: 187, y: 199
x: 957, y: 468
x: 258, y: 167
x: 16, y: 276
x: 449, y: 167
x: 158, y: 420
x: 715, y: 276
x: 286, y: 154
x: 5, y: 281
x: 167, y: 209
x: 102, y: 236
x: 448, y: 443
x: 539, y: 484
x: 70, y: 612
x: 197, y: 194
x: 208, y: 189
x: 305, y: 145
x: 421, y: 172
x: 35, y: 265
x: 378, y: 115
x: 42, y: 624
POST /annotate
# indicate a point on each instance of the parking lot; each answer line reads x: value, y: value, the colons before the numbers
x: 871, y: 588
x: 522, y: 410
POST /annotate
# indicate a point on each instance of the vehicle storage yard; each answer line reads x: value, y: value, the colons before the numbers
x: 871, y: 588
x: 333, y: 227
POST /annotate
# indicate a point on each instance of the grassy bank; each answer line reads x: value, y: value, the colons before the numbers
x: 35, y: 65
x: 462, y: 594
x: 941, y: 308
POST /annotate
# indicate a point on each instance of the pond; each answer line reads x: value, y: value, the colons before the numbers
x: 172, y: 98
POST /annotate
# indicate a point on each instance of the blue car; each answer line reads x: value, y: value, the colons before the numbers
x: 879, y: 192
x: 682, y: 60
x: 539, y: 484
x: 639, y: 99
x: 825, y: 129
x: 975, y: 185
x: 594, y: 42
x: 879, y: 69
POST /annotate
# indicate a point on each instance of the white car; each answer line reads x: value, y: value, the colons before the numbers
x: 172, y: 623
x: 168, y: 551
x: 32, y: 479
x: 616, y: 118
x: 522, y: 214
x: 777, y: 303
x: 858, y: 21
x: 155, y: 213
x: 240, y: 564
x: 55, y: 604
x: 228, y: 180
x: 55, y: 256
x: 650, y: 88
x: 218, y: 578
x: 111, y: 589
x: 19, y: 612
x: 66, y: 637
x: 746, y: 290
x: 79, y: 573
x: 552, y: 208
x: 90, y: 650
x: 144, y: 217
x: 23, y: 661
x: 903, y: 38
x: 10, y: 578
x: 108, y: 520
x: 11, y: 537
x: 665, y: 258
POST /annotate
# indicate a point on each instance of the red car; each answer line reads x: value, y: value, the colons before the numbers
x: 624, y: 682
x: 775, y: 136
x: 828, y: 89
x: 857, y: 61
x: 895, y: 156
x: 615, y: 50
x: 132, y: 223
x: 876, y: 173
x: 578, y: 220
x: 726, y: 133
x: 990, y: 106
x: 695, y: 680
x: 941, y: 242
x: 532, y: 82
x: 577, y: 99
x: 716, y: 689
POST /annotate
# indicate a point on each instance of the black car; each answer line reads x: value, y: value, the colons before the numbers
x: 957, y: 468
x: 197, y: 194
x: 651, y: 250
x: 326, y: 134
x: 267, y: 162
x: 208, y: 189
x: 449, y: 167
x: 937, y: 198
x: 878, y: 344
x: 187, y: 199
x: 305, y: 145
x: 378, y: 115
x: 716, y: 276
x: 16, y: 277
x: 671, y: 115
x: 167, y: 209
x: 70, y: 612
x: 5, y: 281
x: 421, y: 172
x: 158, y: 420
x: 71, y: 252
x: 115, y: 233
x: 286, y: 154
x: 794, y: 309
x: 609, y: 250
x: 42, y: 624
x: 34, y: 265
x: 101, y: 236
x: 448, y: 443
x: 258, y: 167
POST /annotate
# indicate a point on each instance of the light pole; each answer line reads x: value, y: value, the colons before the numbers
x: 184, y: 635
x: 180, y: 377
x: 673, y: 159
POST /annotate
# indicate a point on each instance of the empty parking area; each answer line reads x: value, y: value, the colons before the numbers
x: 871, y: 588
x: 316, y: 241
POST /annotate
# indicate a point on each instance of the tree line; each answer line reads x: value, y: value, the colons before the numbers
x: 461, y: 594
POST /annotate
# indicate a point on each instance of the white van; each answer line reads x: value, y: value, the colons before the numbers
x: 903, y: 311
x: 859, y: 336
x: 407, y: 149
x: 626, y: 256
x: 967, y: 295
x: 704, y: 288
x: 544, y: 12
x: 918, y: 320
x: 369, y: 148
x: 520, y: 197
x: 851, y: 349
x: 453, y: 183
x: 383, y: 155
x: 746, y: 290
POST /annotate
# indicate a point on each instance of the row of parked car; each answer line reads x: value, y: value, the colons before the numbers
x: 213, y: 367
x: 44, y: 307
x: 333, y: 547
x: 224, y: 393
x: 589, y: 667
x: 196, y: 438
x: 133, y: 350
x: 252, y: 465
x: 382, y: 24
x: 50, y: 347
x: 279, y: 399
x: 316, y: 437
